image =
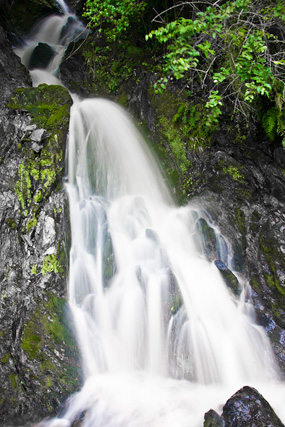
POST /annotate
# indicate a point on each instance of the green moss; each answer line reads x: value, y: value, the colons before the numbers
x: 34, y: 269
x: 275, y: 261
x: 48, y: 381
x: 49, y: 108
x: 14, y: 380
x: 5, y: 359
x: 235, y: 173
x: 38, y: 196
x: 31, y: 223
x: 44, y: 332
x: 11, y: 223
x: 23, y: 186
x: 48, y: 105
x: 240, y: 220
x: 176, y: 144
x: 31, y: 343
x: 51, y: 264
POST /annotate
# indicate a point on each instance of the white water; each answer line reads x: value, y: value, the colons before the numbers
x: 145, y: 365
x: 148, y: 359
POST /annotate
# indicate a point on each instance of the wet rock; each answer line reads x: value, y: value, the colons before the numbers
x: 73, y: 31
x: 38, y: 355
x: 41, y: 56
x: 247, y: 407
x: 13, y: 74
x: 212, y: 419
x: 229, y: 277
x: 209, y: 240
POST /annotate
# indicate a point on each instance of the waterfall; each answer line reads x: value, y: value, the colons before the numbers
x: 162, y: 338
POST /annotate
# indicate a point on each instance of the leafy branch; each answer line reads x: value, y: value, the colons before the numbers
x: 236, y: 47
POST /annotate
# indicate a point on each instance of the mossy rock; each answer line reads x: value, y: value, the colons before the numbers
x: 276, y: 264
x: 47, y: 104
x: 41, y: 172
x: 229, y: 277
x: 273, y: 276
x: 50, y: 347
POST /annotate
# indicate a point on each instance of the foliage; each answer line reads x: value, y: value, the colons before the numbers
x: 113, y: 16
x: 235, y: 173
x: 196, y: 124
x: 235, y: 48
x: 109, y: 66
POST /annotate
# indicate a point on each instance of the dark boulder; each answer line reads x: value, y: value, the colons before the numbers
x: 247, y: 407
x: 41, y: 56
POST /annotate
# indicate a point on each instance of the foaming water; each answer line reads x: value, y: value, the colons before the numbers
x: 161, y: 336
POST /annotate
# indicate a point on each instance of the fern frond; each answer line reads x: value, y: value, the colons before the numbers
x: 269, y: 122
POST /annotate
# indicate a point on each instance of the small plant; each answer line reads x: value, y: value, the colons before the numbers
x: 51, y: 264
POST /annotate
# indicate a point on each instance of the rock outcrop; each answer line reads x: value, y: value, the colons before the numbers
x: 247, y: 407
x: 38, y: 354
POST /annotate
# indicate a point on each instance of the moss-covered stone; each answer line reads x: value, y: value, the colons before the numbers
x: 39, y: 173
x: 11, y: 223
x: 48, y: 340
x: 276, y: 264
x: 48, y: 105
x: 240, y: 221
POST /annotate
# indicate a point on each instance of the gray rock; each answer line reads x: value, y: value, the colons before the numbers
x: 247, y: 407
x: 37, y: 135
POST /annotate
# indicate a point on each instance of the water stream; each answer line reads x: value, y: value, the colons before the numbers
x: 162, y: 338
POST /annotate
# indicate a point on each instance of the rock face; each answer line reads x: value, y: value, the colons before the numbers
x: 38, y: 355
x: 18, y: 16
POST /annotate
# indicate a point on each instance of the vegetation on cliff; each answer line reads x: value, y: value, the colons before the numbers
x: 232, y: 51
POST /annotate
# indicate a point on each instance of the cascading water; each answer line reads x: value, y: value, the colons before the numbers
x: 50, y: 39
x: 150, y: 310
x: 162, y: 338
